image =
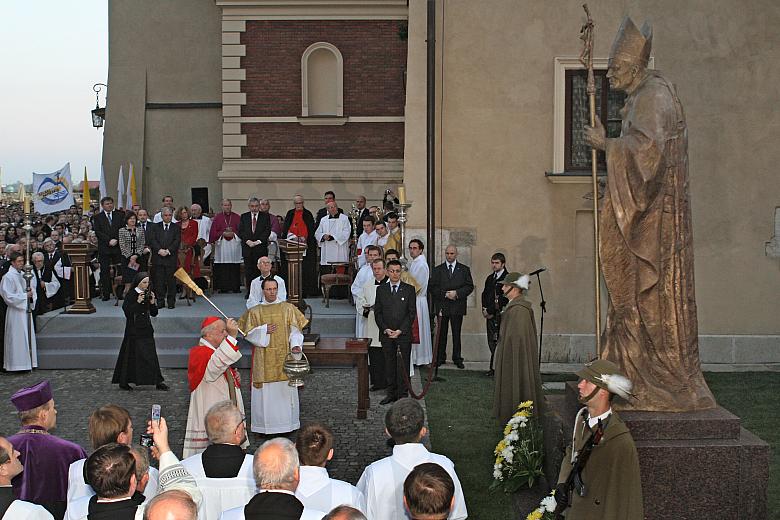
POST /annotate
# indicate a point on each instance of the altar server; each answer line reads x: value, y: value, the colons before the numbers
x: 382, y: 482
x: 20, y: 353
x: 422, y: 352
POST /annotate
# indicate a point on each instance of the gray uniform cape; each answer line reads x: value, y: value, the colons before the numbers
x: 517, y: 361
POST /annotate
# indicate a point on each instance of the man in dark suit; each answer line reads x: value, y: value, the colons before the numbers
x: 164, y: 240
x: 56, y: 262
x: 254, y: 230
x: 450, y: 285
x: 106, y: 225
x: 395, y: 309
x: 493, y: 302
x: 360, y: 204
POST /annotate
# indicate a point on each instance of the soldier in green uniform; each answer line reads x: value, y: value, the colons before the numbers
x: 599, y: 477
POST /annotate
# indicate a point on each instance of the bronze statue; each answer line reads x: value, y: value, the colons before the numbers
x: 646, y: 244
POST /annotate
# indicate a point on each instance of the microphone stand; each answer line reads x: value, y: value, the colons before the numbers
x: 543, y: 305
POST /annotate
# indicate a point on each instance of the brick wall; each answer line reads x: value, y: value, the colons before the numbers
x: 350, y: 141
x: 374, y: 60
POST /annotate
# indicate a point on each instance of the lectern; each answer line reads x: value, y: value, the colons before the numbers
x: 79, y: 256
x: 294, y: 252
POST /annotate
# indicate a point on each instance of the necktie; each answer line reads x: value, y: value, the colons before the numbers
x: 450, y: 270
x: 109, y: 218
x: 254, y: 222
x: 166, y: 228
x: 395, y: 289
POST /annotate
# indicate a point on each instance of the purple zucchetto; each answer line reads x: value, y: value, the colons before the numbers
x: 32, y: 397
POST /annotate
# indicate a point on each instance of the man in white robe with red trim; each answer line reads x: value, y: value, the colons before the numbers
x: 275, y: 328
x: 211, y: 379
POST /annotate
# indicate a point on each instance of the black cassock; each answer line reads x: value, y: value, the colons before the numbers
x: 138, y: 361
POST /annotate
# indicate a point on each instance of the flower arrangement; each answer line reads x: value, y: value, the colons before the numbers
x: 546, y: 509
x: 520, y: 453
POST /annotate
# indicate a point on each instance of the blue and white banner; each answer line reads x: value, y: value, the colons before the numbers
x: 53, y: 191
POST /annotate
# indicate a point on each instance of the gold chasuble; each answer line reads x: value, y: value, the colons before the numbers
x: 267, y: 362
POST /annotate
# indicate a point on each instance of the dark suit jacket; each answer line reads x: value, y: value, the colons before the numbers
x: 105, y: 231
x: 395, y: 311
x: 222, y: 460
x: 159, y: 239
x: 492, y: 290
x: 441, y: 282
x: 262, y: 233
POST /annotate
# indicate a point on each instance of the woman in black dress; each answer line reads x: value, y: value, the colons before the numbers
x: 138, y: 361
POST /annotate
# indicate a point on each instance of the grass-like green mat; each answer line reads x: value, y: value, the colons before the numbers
x: 463, y: 429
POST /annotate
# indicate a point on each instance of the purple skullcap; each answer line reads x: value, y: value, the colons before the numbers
x: 32, y: 397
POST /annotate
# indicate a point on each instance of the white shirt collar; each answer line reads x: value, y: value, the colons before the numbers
x: 271, y: 303
x: 276, y: 491
x: 593, y: 421
x: 204, y: 341
x: 410, y: 454
x: 452, y: 264
x: 499, y: 273
x: 313, y: 478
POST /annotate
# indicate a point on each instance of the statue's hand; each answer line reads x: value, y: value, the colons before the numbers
x: 596, y: 136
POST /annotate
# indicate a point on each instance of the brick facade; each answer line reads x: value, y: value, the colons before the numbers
x: 374, y: 62
x: 350, y: 141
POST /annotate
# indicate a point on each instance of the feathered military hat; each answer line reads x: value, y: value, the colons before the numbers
x: 631, y: 44
x: 519, y: 280
x: 605, y: 374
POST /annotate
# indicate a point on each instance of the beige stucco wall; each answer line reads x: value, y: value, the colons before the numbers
x: 164, y: 52
x: 495, y: 130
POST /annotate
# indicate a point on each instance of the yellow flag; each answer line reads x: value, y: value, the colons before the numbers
x: 132, y: 196
x: 85, y: 197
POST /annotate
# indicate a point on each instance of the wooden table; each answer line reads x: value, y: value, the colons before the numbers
x: 334, y: 351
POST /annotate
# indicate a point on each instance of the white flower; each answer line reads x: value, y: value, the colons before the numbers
x: 522, y: 425
x: 497, y: 474
x: 549, y: 503
x: 513, y: 436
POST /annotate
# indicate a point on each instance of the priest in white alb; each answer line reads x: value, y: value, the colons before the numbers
x: 211, y: 379
x: 333, y: 235
x: 275, y: 329
x: 20, y: 352
x: 422, y: 353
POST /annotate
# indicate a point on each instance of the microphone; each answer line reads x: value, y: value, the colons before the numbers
x: 540, y: 270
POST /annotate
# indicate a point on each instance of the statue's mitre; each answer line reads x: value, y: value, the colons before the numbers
x: 632, y: 44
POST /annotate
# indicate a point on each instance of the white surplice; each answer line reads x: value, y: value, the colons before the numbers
x: 365, y: 240
x: 228, y: 251
x: 336, y: 250
x: 256, y: 291
x: 212, y: 389
x: 382, y: 482
x: 221, y: 494
x: 363, y: 276
x: 21, y: 510
x: 13, y: 289
x: 366, y: 298
x: 318, y: 491
x: 422, y: 352
x: 275, y: 406
x: 204, y: 228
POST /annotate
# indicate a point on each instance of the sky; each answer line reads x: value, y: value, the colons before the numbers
x: 51, y: 53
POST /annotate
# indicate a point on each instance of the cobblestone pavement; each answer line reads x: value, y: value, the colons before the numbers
x: 330, y: 396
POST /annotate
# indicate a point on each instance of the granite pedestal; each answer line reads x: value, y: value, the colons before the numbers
x: 694, y: 465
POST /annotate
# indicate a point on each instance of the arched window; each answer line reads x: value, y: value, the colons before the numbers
x: 322, y: 81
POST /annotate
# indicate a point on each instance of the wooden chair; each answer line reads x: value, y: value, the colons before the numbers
x: 117, y: 282
x: 186, y: 292
x: 344, y: 272
x: 207, y: 273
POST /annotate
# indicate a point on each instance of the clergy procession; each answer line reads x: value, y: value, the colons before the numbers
x: 165, y: 360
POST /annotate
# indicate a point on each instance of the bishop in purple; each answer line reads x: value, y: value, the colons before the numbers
x: 45, y: 457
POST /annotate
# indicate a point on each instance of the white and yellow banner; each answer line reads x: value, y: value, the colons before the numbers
x: 53, y: 191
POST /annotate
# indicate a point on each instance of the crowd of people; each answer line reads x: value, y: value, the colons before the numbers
x: 43, y: 476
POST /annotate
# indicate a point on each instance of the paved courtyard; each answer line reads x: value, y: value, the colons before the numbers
x: 330, y: 396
